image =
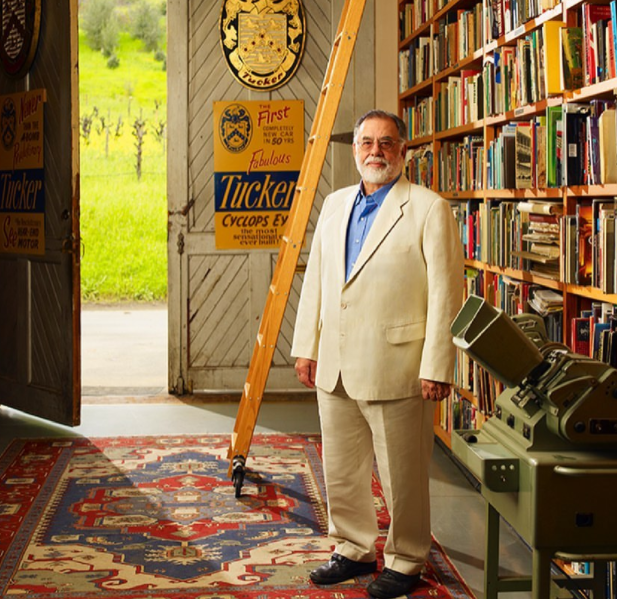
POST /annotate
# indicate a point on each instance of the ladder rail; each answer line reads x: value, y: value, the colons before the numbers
x: 292, y: 242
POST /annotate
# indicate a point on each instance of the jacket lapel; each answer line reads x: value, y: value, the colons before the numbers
x: 389, y: 214
x: 341, y: 250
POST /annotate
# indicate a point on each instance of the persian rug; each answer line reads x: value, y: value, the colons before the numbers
x: 157, y: 518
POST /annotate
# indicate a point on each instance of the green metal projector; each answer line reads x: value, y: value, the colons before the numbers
x: 547, y: 458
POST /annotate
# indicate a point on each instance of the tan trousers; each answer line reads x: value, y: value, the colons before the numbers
x: 399, y: 433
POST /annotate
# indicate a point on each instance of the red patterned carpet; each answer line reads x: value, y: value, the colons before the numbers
x: 157, y: 518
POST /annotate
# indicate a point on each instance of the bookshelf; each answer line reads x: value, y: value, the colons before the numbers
x: 501, y: 114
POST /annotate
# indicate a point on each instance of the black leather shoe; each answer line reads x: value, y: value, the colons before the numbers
x: 339, y: 568
x: 390, y: 584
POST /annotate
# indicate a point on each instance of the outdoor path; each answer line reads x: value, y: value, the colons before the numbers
x: 124, y: 349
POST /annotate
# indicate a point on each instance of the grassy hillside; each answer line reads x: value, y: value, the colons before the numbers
x: 123, y: 219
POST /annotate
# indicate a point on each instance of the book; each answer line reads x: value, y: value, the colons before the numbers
x: 523, y: 150
x: 541, y: 153
x: 608, y: 149
x: 607, y: 253
x: 539, y: 207
x: 584, y: 226
x: 580, y: 340
x: 593, y: 150
x: 592, y: 13
x: 572, y: 58
x: 553, y: 144
x: 508, y: 135
x: 614, y: 35
x: 551, y: 33
x: 574, y: 143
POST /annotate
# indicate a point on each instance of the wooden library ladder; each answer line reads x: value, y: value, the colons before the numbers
x: 291, y: 243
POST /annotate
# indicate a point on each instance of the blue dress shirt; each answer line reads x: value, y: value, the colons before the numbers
x: 361, y: 220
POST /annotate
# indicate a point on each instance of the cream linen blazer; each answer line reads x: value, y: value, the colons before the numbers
x: 389, y: 325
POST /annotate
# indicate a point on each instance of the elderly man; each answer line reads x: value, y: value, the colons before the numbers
x: 382, y: 285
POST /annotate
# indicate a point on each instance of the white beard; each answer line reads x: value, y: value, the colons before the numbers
x: 378, y: 176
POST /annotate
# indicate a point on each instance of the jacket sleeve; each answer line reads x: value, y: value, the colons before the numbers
x: 443, y: 253
x: 305, y: 342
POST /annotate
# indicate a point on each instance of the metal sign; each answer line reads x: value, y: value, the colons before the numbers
x: 22, y: 173
x: 258, y: 152
x: 262, y: 40
x: 20, y: 22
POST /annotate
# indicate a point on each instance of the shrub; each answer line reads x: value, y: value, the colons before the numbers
x: 160, y: 56
x: 113, y: 62
x: 146, y: 25
x: 99, y: 22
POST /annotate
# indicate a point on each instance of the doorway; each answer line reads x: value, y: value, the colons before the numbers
x: 123, y: 126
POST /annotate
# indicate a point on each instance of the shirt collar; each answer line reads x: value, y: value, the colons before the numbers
x: 379, y: 196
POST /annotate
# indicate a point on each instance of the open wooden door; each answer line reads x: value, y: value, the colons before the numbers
x: 39, y: 294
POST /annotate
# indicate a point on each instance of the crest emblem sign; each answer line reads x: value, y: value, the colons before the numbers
x: 20, y: 22
x: 263, y: 40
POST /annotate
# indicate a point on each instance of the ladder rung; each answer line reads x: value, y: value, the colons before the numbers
x: 337, y: 39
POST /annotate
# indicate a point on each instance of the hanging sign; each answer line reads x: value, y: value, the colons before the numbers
x: 263, y: 40
x: 20, y: 24
x: 258, y: 152
x: 22, y: 180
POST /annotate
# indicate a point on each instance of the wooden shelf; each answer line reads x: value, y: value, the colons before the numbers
x: 468, y: 395
x: 592, y: 293
x: 460, y: 131
x: 523, y: 112
x: 593, y: 190
x: 445, y: 436
x: 459, y: 66
x: 462, y: 195
x: 416, y: 89
x: 424, y: 28
x: 514, y: 194
x: 592, y: 91
x: 420, y: 141
x: 574, y: 296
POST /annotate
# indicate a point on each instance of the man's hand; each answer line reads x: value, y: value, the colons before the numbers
x: 305, y: 369
x: 433, y: 390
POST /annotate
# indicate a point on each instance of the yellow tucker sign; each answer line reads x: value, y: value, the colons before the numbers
x: 22, y: 177
x: 258, y: 152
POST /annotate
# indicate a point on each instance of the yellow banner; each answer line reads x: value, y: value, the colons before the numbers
x: 258, y: 153
x: 22, y: 175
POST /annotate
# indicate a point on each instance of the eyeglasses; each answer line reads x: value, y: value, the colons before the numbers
x: 385, y: 143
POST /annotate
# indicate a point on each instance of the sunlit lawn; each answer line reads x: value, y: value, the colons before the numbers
x: 123, y: 220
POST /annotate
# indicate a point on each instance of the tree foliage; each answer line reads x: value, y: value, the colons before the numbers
x: 146, y: 24
x: 99, y: 21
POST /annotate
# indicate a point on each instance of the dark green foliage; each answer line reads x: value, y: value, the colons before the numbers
x: 99, y: 22
x: 113, y: 62
x: 146, y: 25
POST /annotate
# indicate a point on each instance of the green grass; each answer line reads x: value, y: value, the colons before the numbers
x: 123, y: 220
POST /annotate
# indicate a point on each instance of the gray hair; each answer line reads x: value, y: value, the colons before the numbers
x: 382, y: 114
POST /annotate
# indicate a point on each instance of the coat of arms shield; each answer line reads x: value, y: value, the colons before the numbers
x: 262, y: 40
x: 19, y: 32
